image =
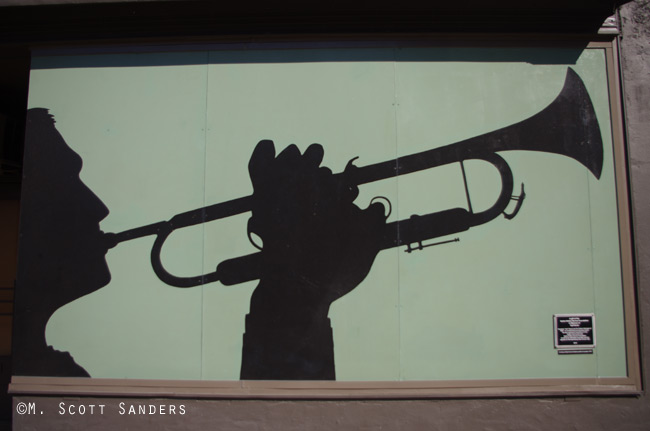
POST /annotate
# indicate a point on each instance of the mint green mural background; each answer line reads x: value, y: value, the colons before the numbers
x: 161, y: 134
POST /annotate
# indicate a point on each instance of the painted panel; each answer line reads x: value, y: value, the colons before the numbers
x: 155, y: 136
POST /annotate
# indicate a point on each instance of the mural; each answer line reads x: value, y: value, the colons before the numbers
x: 317, y: 241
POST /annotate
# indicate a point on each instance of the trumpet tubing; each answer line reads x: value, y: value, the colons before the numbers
x: 567, y: 127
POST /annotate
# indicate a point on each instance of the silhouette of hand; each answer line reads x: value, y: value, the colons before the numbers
x: 317, y: 245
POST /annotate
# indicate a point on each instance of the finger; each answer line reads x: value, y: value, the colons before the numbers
x: 351, y: 192
x: 313, y: 155
x: 376, y: 212
x: 374, y: 222
x: 262, y: 156
x: 289, y: 156
x: 325, y: 171
x: 387, y: 201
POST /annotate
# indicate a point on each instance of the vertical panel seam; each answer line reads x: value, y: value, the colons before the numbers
x: 205, y: 166
x: 399, y: 293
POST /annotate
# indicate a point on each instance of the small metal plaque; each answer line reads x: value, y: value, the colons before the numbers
x: 574, y: 331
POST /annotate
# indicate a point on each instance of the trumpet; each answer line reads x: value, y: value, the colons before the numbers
x: 567, y: 126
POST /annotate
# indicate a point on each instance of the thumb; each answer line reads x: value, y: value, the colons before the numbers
x: 260, y: 160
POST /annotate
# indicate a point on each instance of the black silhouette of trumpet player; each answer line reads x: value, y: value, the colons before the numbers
x: 317, y: 244
x: 317, y: 247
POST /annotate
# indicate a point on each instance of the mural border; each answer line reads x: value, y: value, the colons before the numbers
x: 630, y: 385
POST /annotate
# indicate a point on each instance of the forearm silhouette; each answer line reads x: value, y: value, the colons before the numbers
x: 317, y: 246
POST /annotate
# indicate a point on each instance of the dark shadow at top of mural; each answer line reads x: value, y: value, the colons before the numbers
x: 259, y: 53
x: 62, y: 250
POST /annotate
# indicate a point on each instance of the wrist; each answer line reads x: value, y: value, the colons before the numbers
x: 287, y: 302
x: 288, y: 336
x: 271, y: 352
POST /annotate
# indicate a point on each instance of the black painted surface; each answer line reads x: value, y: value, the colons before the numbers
x: 318, y: 246
x: 62, y: 249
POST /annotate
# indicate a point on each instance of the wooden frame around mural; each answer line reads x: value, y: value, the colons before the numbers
x: 630, y: 385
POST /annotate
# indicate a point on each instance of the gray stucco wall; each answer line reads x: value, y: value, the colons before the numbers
x: 620, y: 413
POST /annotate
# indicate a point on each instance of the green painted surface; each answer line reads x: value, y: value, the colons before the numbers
x: 163, y: 134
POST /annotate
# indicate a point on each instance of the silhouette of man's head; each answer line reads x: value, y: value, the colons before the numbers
x: 62, y: 248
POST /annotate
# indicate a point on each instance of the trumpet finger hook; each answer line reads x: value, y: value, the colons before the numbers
x: 250, y: 231
x: 384, y: 198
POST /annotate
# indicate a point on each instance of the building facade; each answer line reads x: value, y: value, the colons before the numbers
x: 105, y: 37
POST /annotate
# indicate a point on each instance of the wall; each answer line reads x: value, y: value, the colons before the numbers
x: 630, y: 413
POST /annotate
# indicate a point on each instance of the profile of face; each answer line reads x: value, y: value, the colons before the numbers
x: 62, y: 250
x: 60, y: 218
